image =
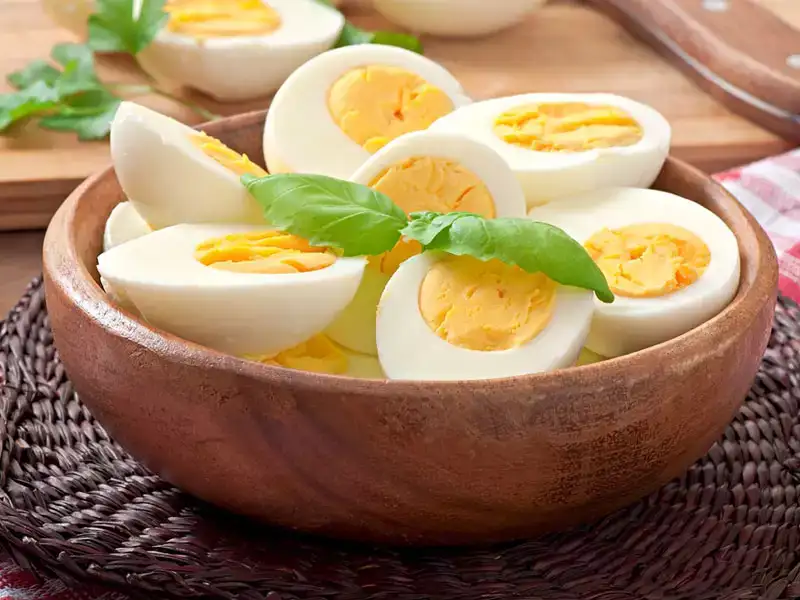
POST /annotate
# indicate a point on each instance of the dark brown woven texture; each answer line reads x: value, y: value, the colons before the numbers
x: 74, y: 504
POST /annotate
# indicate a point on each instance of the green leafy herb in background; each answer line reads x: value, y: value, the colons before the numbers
x: 361, y: 221
x: 530, y: 245
x: 354, y: 36
x: 115, y: 28
x: 329, y: 212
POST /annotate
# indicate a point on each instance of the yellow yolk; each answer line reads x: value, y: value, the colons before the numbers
x: 374, y: 105
x: 649, y: 260
x: 317, y: 355
x: 231, y: 160
x: 485, y: 306
x: 268, y: 252
x: 435, y: 184
x: 221, y: 18
x: 567, y: 127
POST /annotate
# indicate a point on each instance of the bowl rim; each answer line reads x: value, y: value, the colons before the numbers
x: 85, y: 294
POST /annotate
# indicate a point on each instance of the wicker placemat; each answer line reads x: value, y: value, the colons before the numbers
x: 75, y: 505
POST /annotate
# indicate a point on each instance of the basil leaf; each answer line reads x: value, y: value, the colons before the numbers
x: 38, y: 70
x: 530, y: 245
x: 117, y: 27
x: 329, y: 212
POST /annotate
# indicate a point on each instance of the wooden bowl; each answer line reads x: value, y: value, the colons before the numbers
x: 404, y: 462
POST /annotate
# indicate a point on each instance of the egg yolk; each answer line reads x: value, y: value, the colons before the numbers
x: 230, y: 159
x: 567, y: 127
x: 268, y: 252
x: 317, y: 355
x: 485, y: 306
x: 376, y: 104
x: 221, y: 18
x: 649, y: 260
x: 435, y: 184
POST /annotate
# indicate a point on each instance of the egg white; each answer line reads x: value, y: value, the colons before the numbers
x: 123, y: 225
x: 355, y: 327
x: 631, y: 324
x: 168, y: 179
x: 233, y: 69
x: 237, y: 313
x: 456, y: 18
x: 546, y: 176
x: 300, y: 134
x: 409, y: 349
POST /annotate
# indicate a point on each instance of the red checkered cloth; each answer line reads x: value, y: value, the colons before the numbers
x: 769, y: 189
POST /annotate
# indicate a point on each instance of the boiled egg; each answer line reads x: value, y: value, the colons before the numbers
x: 340, y: 108
x: 425, y: 171
x: 72, y: 15
x: 174, y: 174
x: 235, y: 50
x: 671, y: 263
x: 456, y: 18
x: 444, y: 317
x: 565, y: 144
x: 233, y: 288
x: 123, y: 225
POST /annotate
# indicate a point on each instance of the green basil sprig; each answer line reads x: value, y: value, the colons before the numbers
x: 361, y: 221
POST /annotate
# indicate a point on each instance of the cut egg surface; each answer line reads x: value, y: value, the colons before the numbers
x: 240, y: 290
x: 456, y: 18
x: 424, y: 171
x: 564, y: 144
x: 320, y: 354
x: 671, y: 263
x: 444, y: 317
x: 351, y: 102
x: 237, y: 50
x: 173, y: 174
x: 123, y: 225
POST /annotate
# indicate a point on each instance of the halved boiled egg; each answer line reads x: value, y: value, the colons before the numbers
x: 233, y: 288
x: 425, y: 171
x: 237, y: 50
x: 456, y: 18
x: 444, y: 317
x: 671, y: 263
x: 123, y: 225
x: 565, y: 144
x: 349, y: 103
x: 72, y: 15
x: 174, y: 174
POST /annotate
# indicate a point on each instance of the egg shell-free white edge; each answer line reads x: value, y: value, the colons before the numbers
x: 301, y: 105
x: 409, y: 349
x: 456, y: 18
x: 631, y: 324
x: 168, y: 179
x: 237, y: 313
x: 354, y: 328
x: 123, y: 225
x: 545, y: 176
x: 233, y: 69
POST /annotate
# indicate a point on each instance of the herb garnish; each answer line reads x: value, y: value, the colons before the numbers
x: 361, y: 221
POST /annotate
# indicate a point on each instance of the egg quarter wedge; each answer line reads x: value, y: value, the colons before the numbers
x: 420, y: 171
x: 238, y: 312
x: 561, y: 144
x: 377, y: 93
x: 123, y: 225
x: 408, y: 347
x: 241, y: 66
x: 170, y: 179
x: 672, y: 263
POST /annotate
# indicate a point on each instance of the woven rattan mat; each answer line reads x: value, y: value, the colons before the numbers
x: 74, y: 504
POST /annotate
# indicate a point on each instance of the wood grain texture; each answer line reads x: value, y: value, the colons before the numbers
x: 738, y: 55
x: 404, y: 462
x: 563, y: 47
x: 21, y: 261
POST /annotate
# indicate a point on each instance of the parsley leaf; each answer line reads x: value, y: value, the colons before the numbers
x: 33, y: 100
x: 329, y: 212
x: 38, y: 70
x: 90, y: 115
x: 116, y: 26
x: 532, y: 246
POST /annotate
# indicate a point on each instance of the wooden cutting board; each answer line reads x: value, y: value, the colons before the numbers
x: 566, y: 46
